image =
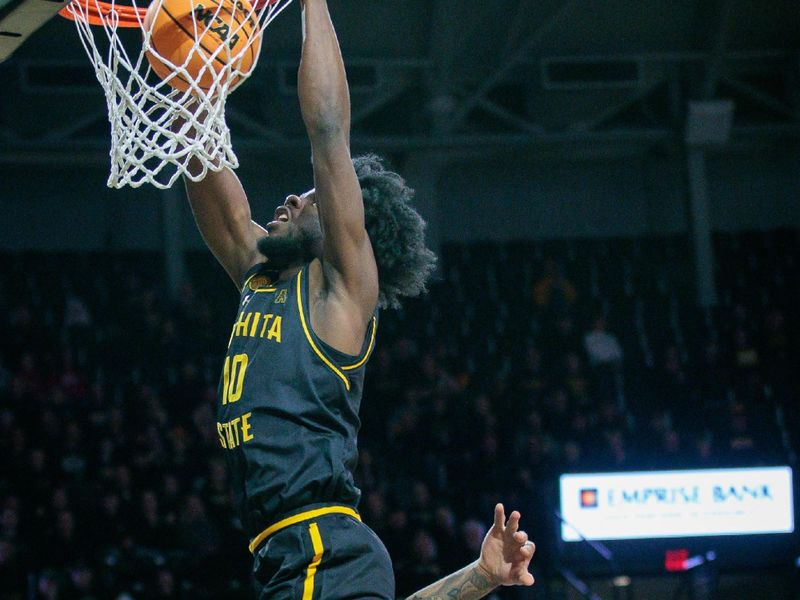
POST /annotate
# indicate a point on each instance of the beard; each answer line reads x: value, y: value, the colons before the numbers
x: 294, y: 248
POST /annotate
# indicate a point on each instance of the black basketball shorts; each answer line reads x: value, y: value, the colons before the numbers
x: 325, y: 557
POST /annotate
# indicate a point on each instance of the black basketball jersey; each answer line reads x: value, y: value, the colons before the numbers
x: 287, y: 405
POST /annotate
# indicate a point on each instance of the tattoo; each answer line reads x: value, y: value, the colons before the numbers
x: 466, y: 584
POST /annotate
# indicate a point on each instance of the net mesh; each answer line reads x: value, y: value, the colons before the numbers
x: 156, y: 128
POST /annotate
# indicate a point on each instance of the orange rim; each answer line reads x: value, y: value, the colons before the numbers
x: 98, y: 13
x: 129, y: 16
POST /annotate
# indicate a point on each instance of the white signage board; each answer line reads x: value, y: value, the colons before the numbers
x: 667, y: 504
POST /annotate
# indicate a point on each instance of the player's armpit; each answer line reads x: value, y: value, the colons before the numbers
x: 349, y: 270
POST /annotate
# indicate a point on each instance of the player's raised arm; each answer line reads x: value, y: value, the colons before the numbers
x: 222, y: 213
x: 348, y: 264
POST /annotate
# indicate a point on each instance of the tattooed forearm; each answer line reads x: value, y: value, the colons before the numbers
x: 470, y: 583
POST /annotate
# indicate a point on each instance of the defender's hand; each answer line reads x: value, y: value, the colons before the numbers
x: 506, y: 552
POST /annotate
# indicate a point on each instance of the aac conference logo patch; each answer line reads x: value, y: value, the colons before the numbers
x: 589, y: 498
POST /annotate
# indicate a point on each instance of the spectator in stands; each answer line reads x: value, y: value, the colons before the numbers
x: 197, y: 531
x: 5, y: 376
x: 49, y: 585
x: 81, y: 584
x: 108, y: 439
x: 674, y: 389
x: 605, y: 357
x: 746, y: 354
x: 472, y: 534
x: 13, y: 573
x: 554, y: 292
x: 602, y: 348
x: 426, y: 569
x: 445, y: 533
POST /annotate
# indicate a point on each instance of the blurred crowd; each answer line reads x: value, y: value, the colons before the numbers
x: 524, y: 361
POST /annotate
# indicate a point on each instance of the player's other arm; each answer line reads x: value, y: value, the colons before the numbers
x: 349, y: 269
x: 505, y: 556
x: 222, y: 214
x: 470, y: 583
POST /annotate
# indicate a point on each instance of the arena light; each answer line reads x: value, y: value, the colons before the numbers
x: 675, y: 560
x: 678, y: 561
x: 674, y: 504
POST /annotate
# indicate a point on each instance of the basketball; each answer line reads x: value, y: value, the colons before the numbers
x: 206, y: 37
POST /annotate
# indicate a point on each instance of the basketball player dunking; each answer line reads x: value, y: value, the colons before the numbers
x: 311, y: 283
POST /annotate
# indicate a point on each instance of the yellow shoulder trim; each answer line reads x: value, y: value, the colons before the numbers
x: 310, y: 339
x: 369, y: 348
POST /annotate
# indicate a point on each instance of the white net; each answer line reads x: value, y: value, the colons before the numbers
x: 167, y: 107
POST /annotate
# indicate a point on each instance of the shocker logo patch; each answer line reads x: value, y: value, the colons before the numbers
x: 259, y: 282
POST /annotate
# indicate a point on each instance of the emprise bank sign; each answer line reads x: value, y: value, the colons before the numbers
x: 667, y: 504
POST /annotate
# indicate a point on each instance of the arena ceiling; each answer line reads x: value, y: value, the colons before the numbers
x: 454, y: 74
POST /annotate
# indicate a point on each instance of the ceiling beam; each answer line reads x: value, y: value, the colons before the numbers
x: 760, y: 97
x: 609, y: 112
x: 516, y: 23
x: 508, y: 117
x: 508, y: 63
x: 95, y: 152
x: 718, y: 50
x: 454, y: 27
x: 392, y: 91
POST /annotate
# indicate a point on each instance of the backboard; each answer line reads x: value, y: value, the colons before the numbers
x: 20, y: 18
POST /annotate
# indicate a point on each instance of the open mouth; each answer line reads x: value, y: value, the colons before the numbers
x: 282, y: 214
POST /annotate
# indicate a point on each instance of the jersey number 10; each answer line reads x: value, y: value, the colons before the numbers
x: 233, y: 378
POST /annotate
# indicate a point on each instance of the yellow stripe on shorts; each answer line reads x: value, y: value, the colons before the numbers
x: 316, y: 542
x: 299, y: 518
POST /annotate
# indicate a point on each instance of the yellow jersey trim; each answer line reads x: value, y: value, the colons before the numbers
x: 265, y: 290
x: 310, y: 339
x: 319, y: 550
x: 369, y: 348
x: 244, y: 285
x: 299, y: 518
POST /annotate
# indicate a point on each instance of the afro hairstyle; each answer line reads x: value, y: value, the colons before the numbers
x: 396, y: 230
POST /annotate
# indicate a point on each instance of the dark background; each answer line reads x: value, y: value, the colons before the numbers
x: 562, y: 159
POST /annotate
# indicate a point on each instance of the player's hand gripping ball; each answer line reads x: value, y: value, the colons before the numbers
x: 211, y: 39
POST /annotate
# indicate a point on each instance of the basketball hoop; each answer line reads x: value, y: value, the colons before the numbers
x: 99, y: 13
x: 160, y: 121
